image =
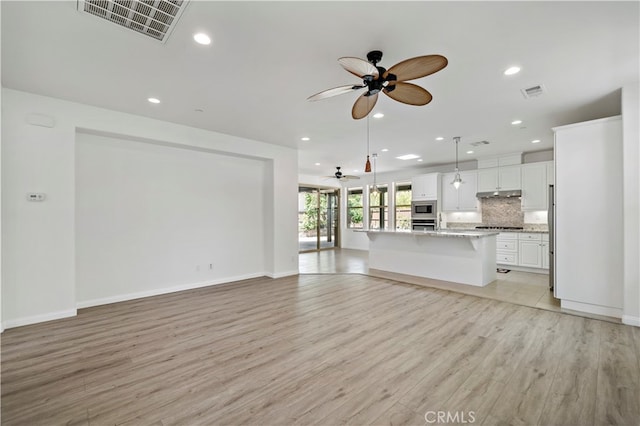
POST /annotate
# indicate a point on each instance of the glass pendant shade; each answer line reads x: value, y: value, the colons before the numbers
x: 457, y: 181
x: 367, y: 166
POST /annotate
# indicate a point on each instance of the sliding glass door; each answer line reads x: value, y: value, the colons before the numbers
x: 318, y: 218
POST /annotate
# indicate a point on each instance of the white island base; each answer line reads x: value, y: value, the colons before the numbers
x: 461, y: 257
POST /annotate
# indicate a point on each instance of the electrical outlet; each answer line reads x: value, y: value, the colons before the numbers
x: 197, y: 268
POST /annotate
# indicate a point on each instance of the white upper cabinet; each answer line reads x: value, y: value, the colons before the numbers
x: 535, y: 187
x: 499, y: 179
x: 463, y: 198
x: 424, y: 187
x: 505, y: 160
x: 467, y: 199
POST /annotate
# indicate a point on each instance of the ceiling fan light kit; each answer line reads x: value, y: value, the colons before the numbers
x: 391, y: 82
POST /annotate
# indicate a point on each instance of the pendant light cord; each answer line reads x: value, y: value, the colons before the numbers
x: 457, y: 139
x: 368, y: 149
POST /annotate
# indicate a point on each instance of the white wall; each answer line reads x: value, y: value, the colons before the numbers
x: 631, y: 209
x: 150, y: 218
x: 38, y: 239
x: 1, y: 323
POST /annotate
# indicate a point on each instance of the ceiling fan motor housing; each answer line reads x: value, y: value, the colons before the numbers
x: 374, y: 56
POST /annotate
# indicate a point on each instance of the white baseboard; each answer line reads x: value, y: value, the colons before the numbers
x: 18, y: 322
x: 592, y: 309
x: 282, y: 274
x: 159, y: 291
x: 629, y: 320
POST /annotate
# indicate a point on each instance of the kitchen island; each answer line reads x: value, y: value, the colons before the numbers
x: 467, y: 257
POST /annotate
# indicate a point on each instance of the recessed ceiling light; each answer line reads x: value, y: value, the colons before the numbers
x: 439, y: 138
x: 384, y: 150
x: 419, y: 159
x: 305, y: 139
x: 154, y: 100
x: 512, y: 71
x: 469, y: 152
x: 378, y: 115
x: 356, y: 170
x: 202, y: 38
x: 535, y: 141
x: 317, y: 164
x: 408, y: 157
x: 516, y: 122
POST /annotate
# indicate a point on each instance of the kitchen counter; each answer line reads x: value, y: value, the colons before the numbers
x: 454, y: 233
x: 526, y: 231
x: 465, y: 256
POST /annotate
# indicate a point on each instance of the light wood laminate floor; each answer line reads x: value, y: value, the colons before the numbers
x: 320, y: 349
x: 522, y: 288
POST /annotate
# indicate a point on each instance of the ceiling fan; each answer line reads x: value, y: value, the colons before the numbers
x: 338, y: 175
x: 391, y: 82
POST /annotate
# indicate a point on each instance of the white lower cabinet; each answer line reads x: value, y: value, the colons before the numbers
x: 507, y: 248
x: 530, y: 254
x: 525, y: 249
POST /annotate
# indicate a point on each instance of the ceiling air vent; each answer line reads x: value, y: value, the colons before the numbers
x: 153, y: 18
x: 533, y: 91
x: 479, y: 143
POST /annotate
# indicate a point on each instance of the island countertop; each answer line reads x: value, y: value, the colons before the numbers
x: 467, y: 257
x: 450, y: 233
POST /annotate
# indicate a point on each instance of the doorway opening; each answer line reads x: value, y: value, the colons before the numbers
x: 318, y: 218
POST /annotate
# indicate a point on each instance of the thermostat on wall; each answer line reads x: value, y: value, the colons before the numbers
x: 36, y: 196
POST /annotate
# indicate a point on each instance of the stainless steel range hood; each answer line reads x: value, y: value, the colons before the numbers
x: 497, y: 194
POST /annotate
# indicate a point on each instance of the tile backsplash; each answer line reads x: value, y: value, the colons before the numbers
x: 497, y: 212
x: 502, y: 211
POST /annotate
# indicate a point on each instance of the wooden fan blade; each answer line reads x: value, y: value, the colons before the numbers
x: 334, y: 92
x: 408, y: 93
x: 359, y: 67
x: 363, y: 106
x: 417, y: 67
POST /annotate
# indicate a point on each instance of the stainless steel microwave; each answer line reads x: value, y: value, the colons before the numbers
x: 423, y: 209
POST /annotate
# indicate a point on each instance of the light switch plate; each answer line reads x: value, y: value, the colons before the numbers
x: 36, y: 196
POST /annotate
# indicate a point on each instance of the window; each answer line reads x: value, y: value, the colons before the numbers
x: 403, y: 206
x: 354, y: 208
x: 379, y: 208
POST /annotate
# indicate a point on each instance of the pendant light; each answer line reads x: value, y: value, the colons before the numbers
x: 457, y: 180
x: 367, y: 166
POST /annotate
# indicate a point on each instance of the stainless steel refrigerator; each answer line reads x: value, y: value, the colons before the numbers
x: 552, y: 236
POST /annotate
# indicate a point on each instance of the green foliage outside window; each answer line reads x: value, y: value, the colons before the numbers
x: 310, y: 214
x: 403, y: 207
x: 354, y: 208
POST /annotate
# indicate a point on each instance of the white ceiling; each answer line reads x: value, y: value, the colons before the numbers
x: 268, y: 57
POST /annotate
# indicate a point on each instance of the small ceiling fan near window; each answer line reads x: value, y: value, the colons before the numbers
x: 340, y: 176
x: 391, y: 82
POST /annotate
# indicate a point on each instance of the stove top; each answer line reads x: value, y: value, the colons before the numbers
x: 513, y: 228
